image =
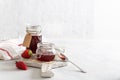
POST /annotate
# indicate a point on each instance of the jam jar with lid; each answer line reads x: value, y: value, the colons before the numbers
x: 33, y: 37
x: 45, y: 51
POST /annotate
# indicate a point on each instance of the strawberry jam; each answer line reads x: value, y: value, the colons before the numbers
x: 46, y: 57
x: 34, y: 38
x: 45, y: 52
x: 34, y: 41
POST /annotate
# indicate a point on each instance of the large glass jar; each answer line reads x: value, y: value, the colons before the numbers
x: 36, y: 37
x: 45, y: 51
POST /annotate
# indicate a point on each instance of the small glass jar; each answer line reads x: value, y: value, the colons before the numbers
x: 45, y: 52
x: 35, y: 32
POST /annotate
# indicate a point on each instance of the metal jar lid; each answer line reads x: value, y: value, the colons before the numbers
x: 33, y: 29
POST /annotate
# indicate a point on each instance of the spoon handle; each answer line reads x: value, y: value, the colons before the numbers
x: 81, y: 70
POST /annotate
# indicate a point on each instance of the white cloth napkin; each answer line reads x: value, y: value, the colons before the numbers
x: 10, y: 49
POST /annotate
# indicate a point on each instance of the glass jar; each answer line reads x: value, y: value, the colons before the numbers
x: 36, y: 37
x: 45, y: 51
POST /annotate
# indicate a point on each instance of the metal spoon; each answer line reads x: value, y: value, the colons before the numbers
x: 64, y: 58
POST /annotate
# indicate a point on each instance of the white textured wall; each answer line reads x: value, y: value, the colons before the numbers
x: 107, y: 19
x: 58, y: 18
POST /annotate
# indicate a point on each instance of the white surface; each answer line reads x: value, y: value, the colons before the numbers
x: 101, y: 60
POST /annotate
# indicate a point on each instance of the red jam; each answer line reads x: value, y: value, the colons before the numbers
x: 46, y: 56
x: 34, y: 41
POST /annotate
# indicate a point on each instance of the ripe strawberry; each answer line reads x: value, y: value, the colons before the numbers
x: 21, y: 65
x: 27, y: 53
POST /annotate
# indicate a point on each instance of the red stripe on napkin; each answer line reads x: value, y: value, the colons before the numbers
x: 6, y: 52
x: 20, y: 44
